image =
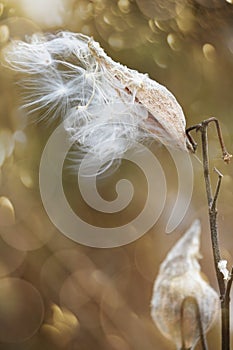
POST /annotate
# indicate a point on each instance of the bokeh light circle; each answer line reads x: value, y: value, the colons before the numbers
x: 21, y: 310
x: 11, y: 259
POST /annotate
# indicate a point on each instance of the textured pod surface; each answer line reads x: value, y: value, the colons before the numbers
x: 69, y: 76
x: 165, y: 120
x: 178, y: 283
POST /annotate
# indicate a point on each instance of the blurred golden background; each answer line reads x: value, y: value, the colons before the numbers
x: 55, y: 293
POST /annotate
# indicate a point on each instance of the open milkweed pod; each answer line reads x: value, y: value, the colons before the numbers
x: 182, y: 299
x: 165, y: 116
x: 69, y: 76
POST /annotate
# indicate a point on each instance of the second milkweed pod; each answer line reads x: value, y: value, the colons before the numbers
x: 182, y: 300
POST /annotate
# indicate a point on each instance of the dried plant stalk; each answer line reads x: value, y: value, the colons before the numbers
x: 223, y: 283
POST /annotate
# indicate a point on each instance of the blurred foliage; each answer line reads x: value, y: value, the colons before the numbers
x: 84, y: 298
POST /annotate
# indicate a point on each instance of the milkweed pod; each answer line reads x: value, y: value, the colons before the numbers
x: 166, y: 119
x: 70, y: 77
x: 183, y: 304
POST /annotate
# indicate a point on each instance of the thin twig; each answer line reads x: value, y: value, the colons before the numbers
x: 225, y: 155
x: 220, y: 176
x: 205, y: 155
x: 189, y: 136
x: 212, y: 210
x: 223, y: 288
x: 202, y: 127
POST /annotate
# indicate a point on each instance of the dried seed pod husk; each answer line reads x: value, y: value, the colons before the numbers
x: 166, y: 119
x: 182, y: 299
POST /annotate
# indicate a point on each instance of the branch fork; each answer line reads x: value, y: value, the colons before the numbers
x: 224, y: 284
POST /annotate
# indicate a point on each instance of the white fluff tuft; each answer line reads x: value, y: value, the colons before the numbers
x: 66, y: 76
